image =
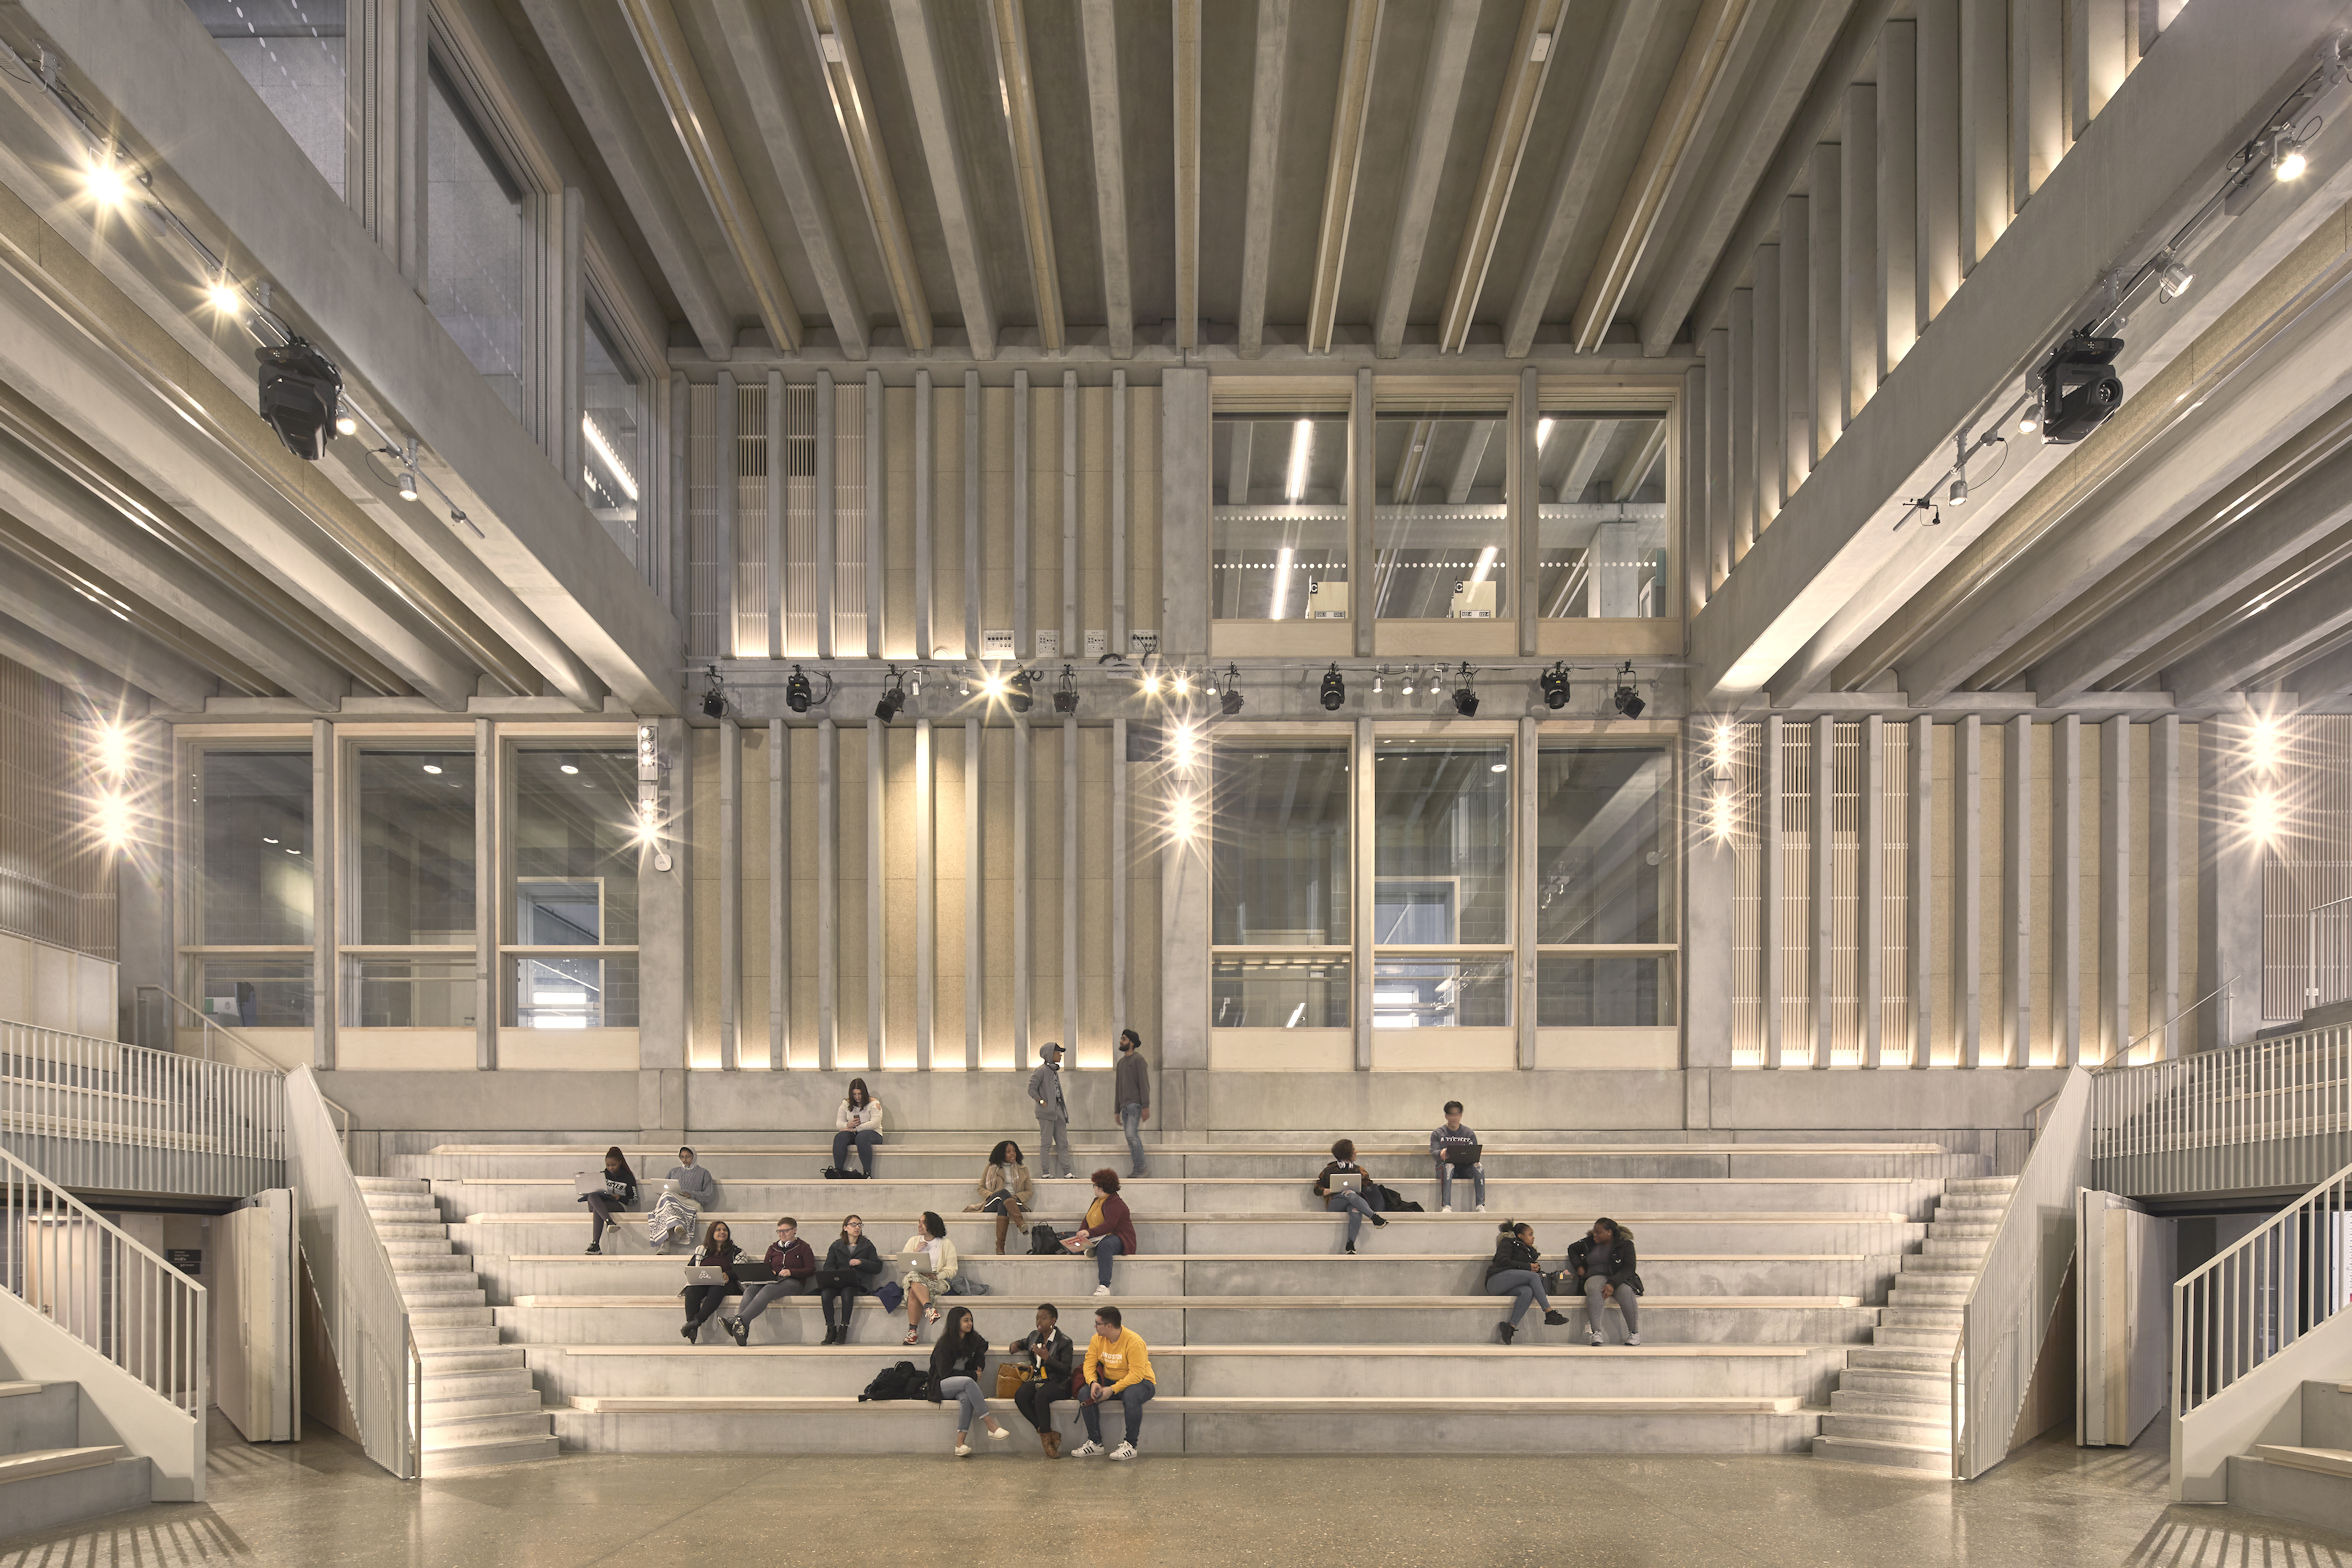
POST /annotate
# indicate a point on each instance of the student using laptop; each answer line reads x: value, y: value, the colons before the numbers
x: 852, y: 1268
x: 607, y: 1197
x: 1456, y: 1150
x: 931, y: 1271
x: 793, y: 1263
x: 718, y: 1253
x: 695, y: 1182
x: 1343, y: 1184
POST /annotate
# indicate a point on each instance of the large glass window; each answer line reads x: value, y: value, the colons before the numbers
x: 292, y: 53
x: 1440, y: 523
x: 571, y: 949
x: 474, y: 240
x: 613, y: 435
x: 251, y: 914
x: 1441, y: 856
x: 1280, y: 883
x: 413, y: 963
x: 1601, y: 515
x: 1279, y: 549
x: 1605, y: 911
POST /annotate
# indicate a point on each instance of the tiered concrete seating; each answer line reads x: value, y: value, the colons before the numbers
x: 1767, y: 1266
x: 48, y: 1474
x: 2309, y: 1480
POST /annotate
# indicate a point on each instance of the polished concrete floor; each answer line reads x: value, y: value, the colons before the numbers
x: 321, y: 1503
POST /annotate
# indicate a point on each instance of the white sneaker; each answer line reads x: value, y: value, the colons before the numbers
x: 1482, y: 1208
x: 1123, y: 1451
x: 1102, y: 1290
x: 963, y: 1450
x: 1445, y: 1208
x: 1633, y: 1339
x: 1594, y: 1340
x: 998, y: 1435
x: 1086, y: 1451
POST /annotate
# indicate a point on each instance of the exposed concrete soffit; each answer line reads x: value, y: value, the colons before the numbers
x: 1186, y: 61
x: 1621, y: 360
x: 2150, y: 154
x: 602, y: 624
x: 73, y: 622
x: 1268, y: 80
x: 918, y: 53
x: 835, y: 46
x: 1017, y: 93
x: 1534, y: 48
x: 1443, y: 77
x: 49, y: 657
x: 1099, y: 36
x: 1341, y: 168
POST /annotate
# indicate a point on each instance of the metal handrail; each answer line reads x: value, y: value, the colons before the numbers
x: 2311, y: 947
x: 212, y: 1025
x: 2252, y: 1301
x: 2269, y: 1114
x: 2123, y: 1058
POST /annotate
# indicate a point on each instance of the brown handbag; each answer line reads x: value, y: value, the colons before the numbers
x: 1009, y: 1378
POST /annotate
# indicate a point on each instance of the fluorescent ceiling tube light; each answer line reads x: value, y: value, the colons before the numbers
x: 612, y: 459
x: 1302, y: 441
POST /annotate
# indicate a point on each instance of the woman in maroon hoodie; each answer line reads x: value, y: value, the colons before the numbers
x: 793, y: 1262
x: 1109, y: 1229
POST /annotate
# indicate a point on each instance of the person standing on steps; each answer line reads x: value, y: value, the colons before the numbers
x: 1517, y: 1270
x: 1602, y: 1264
x: 1456, y: 1150
x: 1343, y: 1184
x: 1131, y: 1094
x: 1053, y: 1113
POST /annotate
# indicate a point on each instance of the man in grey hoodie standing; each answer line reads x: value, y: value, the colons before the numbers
x: 1053, y: 1113
x: 1131, y: 1096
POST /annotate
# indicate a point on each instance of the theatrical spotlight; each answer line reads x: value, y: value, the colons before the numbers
x: 1018, y: 695
x: 1465, y: 699
x: 1554, y: 682
x: 1066, y: 694
x: 1334, y: 690
x: 1229, y: 700
x: 714, y: 699
x: 2079, y: 387
x: 796, y: 691
x: 894, y: 697
x: 1626, y: 700
x: 301, y: 391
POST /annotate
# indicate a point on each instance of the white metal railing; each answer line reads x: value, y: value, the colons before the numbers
x: 93, y: 1280
x: 2254, y: 1300
x: 2329, y: 980
x: 2009, y: 1308
x: 95, y: 1113
x: 366, y: 1317
x: 2265, y: 1115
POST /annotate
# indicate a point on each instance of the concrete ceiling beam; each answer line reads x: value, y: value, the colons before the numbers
x: 1257, y: 221
x: 1640, y: 459
x: 2256, y: 649
x: 1098, y: 30
x: 1443, y: 77
x: 1474, y: 444
x: 1017, y: 92
x: 48, y: 657
x: 1185, y: 60
x: 943, y: 161
x: 1533, y: 49
x: 46, y: 607
x: 1345, y: 158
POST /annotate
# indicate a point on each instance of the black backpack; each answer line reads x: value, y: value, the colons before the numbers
x: 1044, y: 1241
x: 1391, y: 1203
x: 903, y: 1380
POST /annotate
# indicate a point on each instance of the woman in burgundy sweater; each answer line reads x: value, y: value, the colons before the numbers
x: 1108, y: 1227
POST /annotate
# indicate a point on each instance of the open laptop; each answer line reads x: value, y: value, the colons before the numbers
x: 586, y: 1182
x: 1463, y: 1155
x: 706, y: 1275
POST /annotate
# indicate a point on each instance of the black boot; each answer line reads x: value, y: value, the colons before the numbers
x: 1380, y: 1222
x: 1505, y: 1332
x: 1555, y: 1319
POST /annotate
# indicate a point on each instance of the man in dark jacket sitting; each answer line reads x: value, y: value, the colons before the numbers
x: 793, y: 1262
x: 1047, y: 1352
x: 1601, y: 1265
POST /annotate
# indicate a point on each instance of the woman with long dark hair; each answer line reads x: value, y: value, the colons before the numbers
x: 620, y: 1190
x: 1005, y: 1190
x: 858, y: 1124
x: 718, y: 1251
x: 956, y: 1362
x: 852, y: 1265
x: 1516, y: 1270
x: 931, y: 1272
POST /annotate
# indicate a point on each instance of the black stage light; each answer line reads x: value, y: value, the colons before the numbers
x: 714, y: 699
x: 796, y: 691
x: 1627, y: 700
x: 300, y: 392
x: 894, y: 697
x: 1066, y: 695
x: 2079, y: 387
x: 1229, y: 700
x: 1018, y: 695
x: 1465, y: 699
x: 1334, y: 690
x: 1554, y: 682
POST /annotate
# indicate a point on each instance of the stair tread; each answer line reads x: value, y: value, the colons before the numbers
x: 2323, y: 1461
x: 57, y: 1461
x: 1786, y: 1404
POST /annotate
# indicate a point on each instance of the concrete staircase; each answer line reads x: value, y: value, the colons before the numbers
x: 1762, y: 1263
x: 48, y: 1475
x: 2309, y: 1480
x: 1893, y: 1404
x: 480, y: 1406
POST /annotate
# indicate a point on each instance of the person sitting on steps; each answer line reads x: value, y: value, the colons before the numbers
x: 1109, y: 1231
x: 931, y: 1272
x: 1118, y: 1366
x: 1455, y: 1149
x: 1516, y: 1270
x: 1005, y: 1191
x: 1048, y: 1355
x: 852, y: 1265
x: 620, y: 1190
x: 793, y: 1262
x: 858, y: 1122
x: 1345, y: 1185
x: 718, y: 1251
x: 1602, y: 1265
x: 956, y: 1363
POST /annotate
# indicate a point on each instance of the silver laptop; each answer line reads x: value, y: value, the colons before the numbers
x: 588, y: 1181
x: 706, y: 1276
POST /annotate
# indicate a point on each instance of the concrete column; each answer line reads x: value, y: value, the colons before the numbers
x: 1122, y: 836
x: 1119, y: 482
x: 1525, y: 530
x: 1525, y: 916
x: 1968, y: 886
x: 1858, y: 277
x: 489, y: 880
x: 972, y: 522
x: 730, y: 893
x: 1771, y: 403
x: 2164, y: 857
x: 1361, y: 895
x: 677, y: 590
x: 1919, y: 889
x: 729, y: 497
x: 975, y: 900
x: 774, y: 520
x: 2037, y: 89
x: 326, y: 903
x: 926, y: 895
x: 1938, y: 85
x: 1024, y: 641
x: 2229, y: 891
x: 877, y: 897
x: 1740, y: 372
x: 2066, y: 887
x: 926, y: 635
x: 1710, y: 892
x: 2114, y: 887
x: 1023, y: 889
x: 1070, y: 868
x: 1984, y: 127
x: 1870, y: 892
x: 1716, y: 563
x: 828, y: 895
x: 1825, y: 213
x: 1823, y: 845
x: 1185, y: 450
x: 1768, y: 850
x: 828, y: 518
x: 1364, y: 573
x: 1070, y: 646
x: 665, y: 950
x: 1796, y: 343
x: 1689, y: 497
x: 151, y: 892
x: 877, y: 510
x: 2017, y: 894
x: 1184, y: 920
x: 1898, y: 192
x: 779, y: 896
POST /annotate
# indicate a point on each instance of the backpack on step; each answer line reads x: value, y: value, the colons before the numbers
x: 1044, y: 1241
x: 1390, y: 1203
x: 902, y: 1380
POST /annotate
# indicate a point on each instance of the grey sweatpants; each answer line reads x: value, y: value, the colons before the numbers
x: 1053, y: 1144
x: 1595, y: 1304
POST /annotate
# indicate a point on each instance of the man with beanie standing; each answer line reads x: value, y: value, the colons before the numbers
x: 1053, y: 1113
x: 1131, y: 1097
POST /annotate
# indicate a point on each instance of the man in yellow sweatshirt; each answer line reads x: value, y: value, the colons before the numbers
x: 1118, y: 1366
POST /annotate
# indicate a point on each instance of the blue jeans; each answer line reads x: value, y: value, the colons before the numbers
x: 1357, y: 1211
x: 1131, y: 1118
x: 1131, y: 1399
x: 1106, y: 1253
x: 1524, y: 1284
x: 865, y: 1139
x: 1445, y: 1183
x: 971, y: 1404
